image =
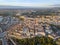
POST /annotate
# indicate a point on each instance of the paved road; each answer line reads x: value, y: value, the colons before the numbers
x: 2, y: 35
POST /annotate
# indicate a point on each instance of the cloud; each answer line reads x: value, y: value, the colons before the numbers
x: 26, y: 4
x: 35, y: 3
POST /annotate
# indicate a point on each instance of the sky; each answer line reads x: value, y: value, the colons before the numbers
x: 32, y: 3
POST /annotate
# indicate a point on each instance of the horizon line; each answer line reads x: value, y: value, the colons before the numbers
x: 56, y: 5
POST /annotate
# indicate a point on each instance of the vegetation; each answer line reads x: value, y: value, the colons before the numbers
x: 35, y: 41
x: 58, y: 41
x: 8, y: 14
x: 39, y: 13
x: 55, y: 28
x: 0, y: 42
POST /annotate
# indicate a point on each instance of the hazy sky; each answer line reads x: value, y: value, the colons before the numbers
x: 33, y: 3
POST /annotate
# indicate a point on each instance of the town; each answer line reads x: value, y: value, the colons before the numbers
x: 27, y: 27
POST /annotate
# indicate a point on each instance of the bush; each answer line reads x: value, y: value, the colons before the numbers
x: 36, y: 41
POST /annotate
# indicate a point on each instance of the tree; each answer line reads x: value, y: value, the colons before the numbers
x: 36, y: 41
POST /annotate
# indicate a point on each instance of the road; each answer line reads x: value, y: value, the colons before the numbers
x: 4, y: 33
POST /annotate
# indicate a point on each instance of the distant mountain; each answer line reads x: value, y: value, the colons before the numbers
x: 11, y: 7
x: 26, y: 7
x: 56, y: 5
